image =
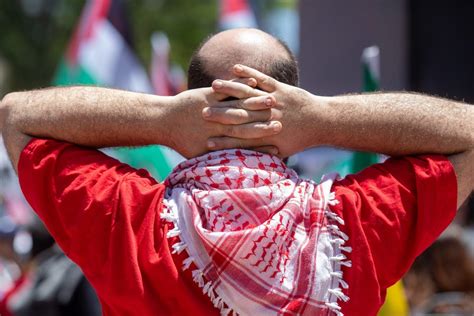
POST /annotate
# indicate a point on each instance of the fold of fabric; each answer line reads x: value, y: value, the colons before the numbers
x: 260, y: 240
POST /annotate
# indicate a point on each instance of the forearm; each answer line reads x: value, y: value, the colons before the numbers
x: 89, y: 116
x: 100, y: 117
x: 396, y: 123
x: 389, y: 123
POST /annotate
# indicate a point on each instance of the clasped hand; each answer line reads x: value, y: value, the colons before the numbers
x: 253, y: 111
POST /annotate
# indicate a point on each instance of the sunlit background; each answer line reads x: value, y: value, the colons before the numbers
x: 144, y: 45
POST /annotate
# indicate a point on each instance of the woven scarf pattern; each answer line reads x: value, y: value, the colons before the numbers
x: 260, y: 240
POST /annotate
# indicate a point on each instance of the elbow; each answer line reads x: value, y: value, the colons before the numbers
x: 8, y: 100
x: 6, y: 105
x: 3, y: 111
x: 470, y: 128
x: 7, y: 109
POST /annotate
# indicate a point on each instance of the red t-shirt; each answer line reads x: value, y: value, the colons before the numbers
x: 392, y: 212
x: 105, y: 215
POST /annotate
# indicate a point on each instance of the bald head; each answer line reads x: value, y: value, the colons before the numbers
x: 254, y: 48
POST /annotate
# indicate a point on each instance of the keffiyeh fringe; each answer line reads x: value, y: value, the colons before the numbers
x: 339, y: 239
x: 171, y: 216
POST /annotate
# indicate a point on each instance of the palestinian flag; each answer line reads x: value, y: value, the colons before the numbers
x: 371, y: 68
x: 371, y: 82
x: 159, y: 160
x: 395, y: 302
x: 356, y: 161
x: 235, y: 14
x: 166, y: 79
x: 101, y: 53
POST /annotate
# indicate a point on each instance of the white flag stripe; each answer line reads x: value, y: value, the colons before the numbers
x: 110, y: 61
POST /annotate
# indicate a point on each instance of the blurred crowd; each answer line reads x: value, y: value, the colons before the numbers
x: 441, y: 281
x: 36, y: 278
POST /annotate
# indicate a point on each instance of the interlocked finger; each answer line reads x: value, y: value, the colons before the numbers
x: 273, y: 150
x: 252, y: 130
x: 219, y: 143
x: 264, y: 82
x: 255, y: 103
x: 251, y: 82
x: 235, y: 89
x: 235, y: 116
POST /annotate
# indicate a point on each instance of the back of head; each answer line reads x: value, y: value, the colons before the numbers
x: 251, y: 47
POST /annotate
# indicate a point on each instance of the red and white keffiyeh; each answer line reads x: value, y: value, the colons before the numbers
x: 262, y: 240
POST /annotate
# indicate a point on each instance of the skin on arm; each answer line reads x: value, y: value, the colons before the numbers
x: 71, y: 114
x: 390, y: 123
x: 100, y: 117
x: 463, y: 164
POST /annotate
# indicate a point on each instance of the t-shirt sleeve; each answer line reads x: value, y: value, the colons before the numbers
x: 97, y: 209
x: 393, y: 211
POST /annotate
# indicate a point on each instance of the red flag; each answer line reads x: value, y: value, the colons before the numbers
x: 236, y: 14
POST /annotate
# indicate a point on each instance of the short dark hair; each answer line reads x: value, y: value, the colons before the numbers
x: 282, y: 69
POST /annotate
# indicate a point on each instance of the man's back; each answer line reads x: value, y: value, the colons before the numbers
x: 107, y: 218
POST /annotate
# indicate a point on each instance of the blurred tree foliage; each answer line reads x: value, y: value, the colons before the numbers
x: 186, y: 22
x: 35, y: 33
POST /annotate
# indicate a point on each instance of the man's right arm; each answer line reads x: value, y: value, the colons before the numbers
x: 391, y: 123
x: 405, y: 124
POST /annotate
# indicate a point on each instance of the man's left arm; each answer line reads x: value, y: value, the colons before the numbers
x: 101, y: 117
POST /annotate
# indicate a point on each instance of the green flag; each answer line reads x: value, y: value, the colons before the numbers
x: 101, y: 53
x: 371, y: 82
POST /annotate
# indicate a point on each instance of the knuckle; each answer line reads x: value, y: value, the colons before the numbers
x: 241, y: 116
x: 230, y: 130
x: 231, y: 117
x: 268, y: 129
x: 215, y: 115
x: 251, y: 82
x: 249, y: 91
x: 238, y: 143
x: 258, y: 103
x: 219, y: 143
x: 264, y: 80
x: 246, y: 104
x: 241, y: 131
x: 227, y: 142
x: 266, y: 115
